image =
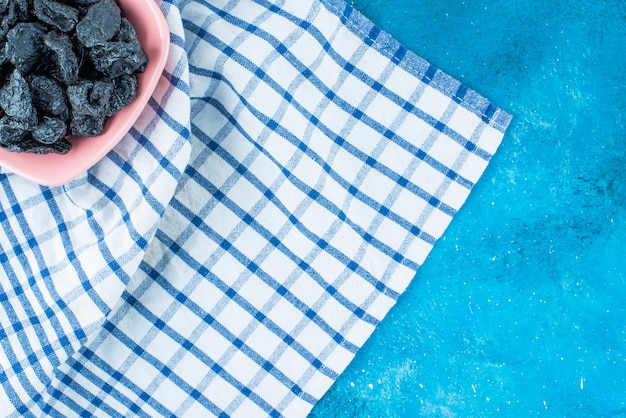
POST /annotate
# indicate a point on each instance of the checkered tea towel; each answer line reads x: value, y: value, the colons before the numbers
x: 230, y: 256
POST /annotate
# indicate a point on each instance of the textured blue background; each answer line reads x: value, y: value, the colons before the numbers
x: 519, y: 310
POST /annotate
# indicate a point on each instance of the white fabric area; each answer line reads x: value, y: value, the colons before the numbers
x: 230, y: 256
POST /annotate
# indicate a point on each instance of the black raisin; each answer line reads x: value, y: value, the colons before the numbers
x: 124, y: 92
x: 90, y: 98
x: 118, y: 58
x: 16, y: 99
x: 12, y: 131
x: 86, y: 125
x: 126, y: 33
x: 8, y: 16
x: 49, y: 130
x: 58, y: 15
x: 63, y: 61
x: 49, y: 96
x: 100, y: 24
x: 25, y: 46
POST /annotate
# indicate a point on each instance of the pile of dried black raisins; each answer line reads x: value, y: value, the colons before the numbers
x: 65, y: 67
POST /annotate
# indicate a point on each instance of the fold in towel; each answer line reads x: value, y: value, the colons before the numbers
x: 230, y: 256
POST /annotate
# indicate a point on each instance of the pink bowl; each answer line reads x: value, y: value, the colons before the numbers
x: 54, y: 169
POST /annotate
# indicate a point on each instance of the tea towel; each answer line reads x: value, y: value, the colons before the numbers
x: 230, y: 256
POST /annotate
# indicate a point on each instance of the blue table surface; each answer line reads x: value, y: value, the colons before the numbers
x: 519, y: 309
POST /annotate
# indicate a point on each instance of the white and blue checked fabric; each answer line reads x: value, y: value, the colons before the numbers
x: 230, y: 256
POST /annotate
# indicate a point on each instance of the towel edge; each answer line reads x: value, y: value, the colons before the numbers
x: 408, y: 60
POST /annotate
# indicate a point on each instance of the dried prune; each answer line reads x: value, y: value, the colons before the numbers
x: 12, y: 131
x: 58, y: 15
x: 100, y: 24
x: 65, y: 67
x: 8, y: 16
x: 49, y: 96
x: 90, y: 98
x: 25, y: 45
x: 124, y: 92
x: 118, y: 58
x: 49, y: 130
x: 64, y: 63
x: 87, y: 125
x: 126, y: 33
x: 16, y: 99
